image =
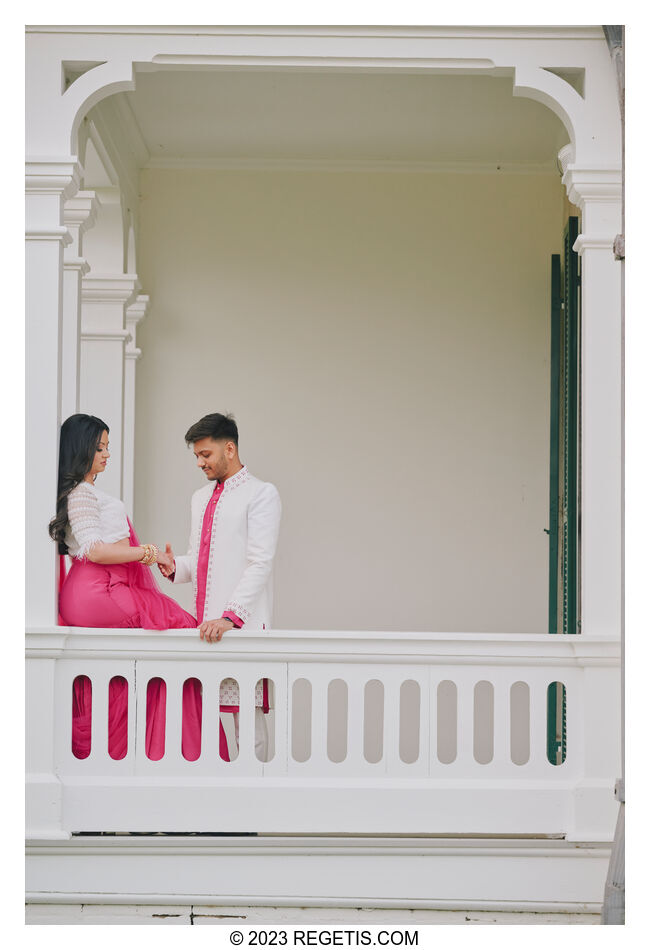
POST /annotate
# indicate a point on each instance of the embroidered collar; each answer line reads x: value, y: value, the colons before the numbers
x: 236, y: 480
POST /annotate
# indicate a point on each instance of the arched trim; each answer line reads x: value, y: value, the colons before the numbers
x: 92, y: 87
x: 557, y: 95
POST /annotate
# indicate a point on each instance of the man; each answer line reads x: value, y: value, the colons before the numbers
x: 233, y: 537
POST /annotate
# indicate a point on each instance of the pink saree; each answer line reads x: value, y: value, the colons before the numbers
x: 122, y: 596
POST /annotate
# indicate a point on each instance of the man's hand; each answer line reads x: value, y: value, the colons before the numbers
x: 166, y: 562
x: 213, y: 630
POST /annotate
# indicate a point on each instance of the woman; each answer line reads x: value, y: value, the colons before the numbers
x: 110, y: 585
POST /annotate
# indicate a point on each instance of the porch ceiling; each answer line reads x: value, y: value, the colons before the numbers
x: 226, y: 116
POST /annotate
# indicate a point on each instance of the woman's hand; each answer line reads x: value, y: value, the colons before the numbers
x: 166, y: 562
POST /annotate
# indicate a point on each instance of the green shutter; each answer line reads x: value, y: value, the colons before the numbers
x: 554, y: 480
x: 569, y: 423
x: 564, y: 482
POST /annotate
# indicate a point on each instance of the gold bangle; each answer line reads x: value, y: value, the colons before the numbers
x: 150, y: 554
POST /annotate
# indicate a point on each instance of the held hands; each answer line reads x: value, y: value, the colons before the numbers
x: 166, y: 562
x: 213, y: 630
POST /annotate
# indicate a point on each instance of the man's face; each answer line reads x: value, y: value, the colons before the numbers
x: 211, y: 458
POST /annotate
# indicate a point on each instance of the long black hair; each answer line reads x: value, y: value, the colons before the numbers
x: 80, y: 438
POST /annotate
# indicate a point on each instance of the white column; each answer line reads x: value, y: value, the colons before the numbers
x: 79, y: 215
x: 597, y: 192
x: 49, y: 182
x: 105, y: 298
x: 134, y: 314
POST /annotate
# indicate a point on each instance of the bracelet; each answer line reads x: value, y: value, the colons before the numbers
x: 150, y: 555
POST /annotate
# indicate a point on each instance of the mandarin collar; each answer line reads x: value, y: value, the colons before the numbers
x: 239, y: 478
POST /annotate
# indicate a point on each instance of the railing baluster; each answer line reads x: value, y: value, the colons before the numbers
x: 502, y: 716
x: 246, y: 760
x: 355, y: 758
x: 173, y: 720
x: 538, y: 762
x: 210, y: 760
x: 99, y: 742
x: 318, y: 760
x: 434, y: 765
x: 280, y: 713
x: 392, y: 686
x: 465, y: 683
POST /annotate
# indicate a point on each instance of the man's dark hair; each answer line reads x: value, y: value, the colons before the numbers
x: 214, y: 426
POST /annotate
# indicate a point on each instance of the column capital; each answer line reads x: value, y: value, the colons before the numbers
x: 79, y: 264
x: 80, y: 211
x: 58, y: 234
x: 136, y: 312
x: 593, y: 242
x: 588, y: 183
x: 110, y: 288
x: 53, y: 176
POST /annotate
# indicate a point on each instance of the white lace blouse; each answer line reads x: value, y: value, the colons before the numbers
x: 93, y: 517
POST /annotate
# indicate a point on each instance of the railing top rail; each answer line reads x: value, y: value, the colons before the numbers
x: 326, y: 645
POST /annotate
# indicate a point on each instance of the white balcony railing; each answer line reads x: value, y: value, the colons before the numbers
x: 372, y: 733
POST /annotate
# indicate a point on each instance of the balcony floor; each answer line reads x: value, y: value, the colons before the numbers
x: 277, y: 916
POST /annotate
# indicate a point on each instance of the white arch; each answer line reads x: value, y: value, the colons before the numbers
x: 582, y: 118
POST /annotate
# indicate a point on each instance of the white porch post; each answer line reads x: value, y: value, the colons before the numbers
x: 597, y: 192
x: 105, y: 298
x: 79, y: 215
x: 48, y: 184
x: 134, y: 314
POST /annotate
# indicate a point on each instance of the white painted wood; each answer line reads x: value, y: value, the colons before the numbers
x: 417, y: 873
x: 79, y: 215
x: 502, y: 716
x: 465, y: 680
x: 99, y: 742
x: 209, y: 761
x: 335, y: 797
x: 247, y: 762
x: 355, y: 725
x: 174, y: 719
x: 48, y: 184
x: 391, y: 681
x: 103, y: 339
x: 281, y: 746
x: 318, y: 762
x: 135, y: 313
x: 232, y: 915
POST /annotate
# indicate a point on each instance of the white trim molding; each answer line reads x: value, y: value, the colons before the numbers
x: 47, y: 176
x: 109, y: 288
x: 593, y: 242
x: 81, y: 210
x: 410, y: 873
x: 135, y: 313
x: 107, y: 336
x: 592, y: 183
x: 59, y: 235
x: 350, y: 165
x: 104, y: 338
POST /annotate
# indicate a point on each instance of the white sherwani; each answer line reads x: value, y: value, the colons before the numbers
x: 242, y: 546
x: 239, y: 577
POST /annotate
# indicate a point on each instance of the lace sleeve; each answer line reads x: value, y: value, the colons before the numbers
x: 83, y: 517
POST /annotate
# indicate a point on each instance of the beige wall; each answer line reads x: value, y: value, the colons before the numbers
x: 382, y: 340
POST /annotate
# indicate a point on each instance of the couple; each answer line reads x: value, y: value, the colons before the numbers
x: 234, y: 531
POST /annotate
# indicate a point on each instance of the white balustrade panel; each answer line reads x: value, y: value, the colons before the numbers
x: 437, y: 735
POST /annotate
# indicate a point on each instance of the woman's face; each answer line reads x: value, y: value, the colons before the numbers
x: 102, y: 456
